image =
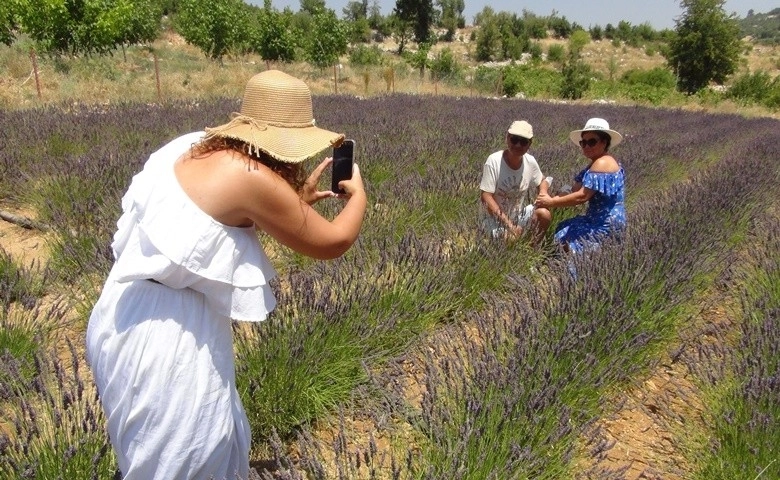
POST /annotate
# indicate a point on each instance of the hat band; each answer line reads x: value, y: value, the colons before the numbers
x: 239, y: 119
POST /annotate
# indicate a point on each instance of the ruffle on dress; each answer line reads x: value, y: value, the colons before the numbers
x: 606, y: 183
x: 164, y: 236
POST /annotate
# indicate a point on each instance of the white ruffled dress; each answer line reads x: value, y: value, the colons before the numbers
x: 159, y: 340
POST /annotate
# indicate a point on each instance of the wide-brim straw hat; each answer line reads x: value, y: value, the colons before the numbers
x: 597, y: 125
x: 276, y: 118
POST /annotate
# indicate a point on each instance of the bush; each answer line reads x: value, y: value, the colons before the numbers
x: 657, y: 77
x: 362, y: 55
x: 556, y: 53
x: 756, y: 88
x: 576, y: 80
x: 532, y: 82
x: 535, y: 49
x: 444, y: 65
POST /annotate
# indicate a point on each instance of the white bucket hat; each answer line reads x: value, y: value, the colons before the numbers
x: 597, y: 125
x: 276, y: 118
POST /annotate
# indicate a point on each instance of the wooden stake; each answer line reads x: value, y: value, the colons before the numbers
x: 35, y: 71
x: 157, y: 77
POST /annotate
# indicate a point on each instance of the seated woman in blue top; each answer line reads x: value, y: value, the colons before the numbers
x: 601, y: 184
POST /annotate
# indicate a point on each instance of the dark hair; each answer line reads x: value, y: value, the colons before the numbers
x: 292, y: 173
x: 603, y: 136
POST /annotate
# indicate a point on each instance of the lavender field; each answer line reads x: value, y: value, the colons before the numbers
x: 428, y: 351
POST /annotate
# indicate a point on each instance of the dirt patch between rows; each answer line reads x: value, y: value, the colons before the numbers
x: 25, y: 245
x: 651, y: 434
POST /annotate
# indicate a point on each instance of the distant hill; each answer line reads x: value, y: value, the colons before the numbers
x: 763, y: 27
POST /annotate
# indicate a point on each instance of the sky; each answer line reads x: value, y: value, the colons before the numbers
x: 659, y: 14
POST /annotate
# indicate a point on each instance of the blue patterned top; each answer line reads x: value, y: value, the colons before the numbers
x: 606, y: 211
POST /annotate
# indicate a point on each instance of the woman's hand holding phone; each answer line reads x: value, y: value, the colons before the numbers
x: 309, y: 192
x: 352, y: 185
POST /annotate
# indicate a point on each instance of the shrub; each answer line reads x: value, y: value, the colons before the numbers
x: 556, y: 53
x: 535, y: 49
x: 758, y: 88
x: 532, y: 82
x: 576, y: 80
x: 444, y: 65
x: 657, y: 77
x: 363, y: 55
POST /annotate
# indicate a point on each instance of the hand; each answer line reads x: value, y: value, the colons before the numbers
x: 309, y: 192
x: 514, y: 232
x: 543, y: 200
x: 354, y: 184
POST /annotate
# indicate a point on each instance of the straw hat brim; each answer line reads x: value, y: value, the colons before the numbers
x: 615, y: 136
x: 292, y: 145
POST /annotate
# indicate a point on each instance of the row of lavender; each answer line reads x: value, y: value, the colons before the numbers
x: 746, y: 382
x: 550, y: 347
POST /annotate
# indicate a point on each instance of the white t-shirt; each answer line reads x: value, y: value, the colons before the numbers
x: 512, y: 189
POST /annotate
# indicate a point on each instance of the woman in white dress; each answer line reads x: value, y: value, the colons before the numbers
x: 188, y: 260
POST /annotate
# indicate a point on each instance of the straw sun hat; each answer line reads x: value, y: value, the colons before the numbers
x: 276, y: 118
x: 597, y: 125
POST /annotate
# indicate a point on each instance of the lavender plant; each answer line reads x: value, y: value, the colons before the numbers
x: 508, y: 402
x: 745, y: 393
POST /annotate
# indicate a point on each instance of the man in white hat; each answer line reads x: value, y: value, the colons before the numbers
x: 511, y: 180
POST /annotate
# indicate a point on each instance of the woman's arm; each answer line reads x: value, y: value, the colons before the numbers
x: 277, y: 209
x: 577, y: 197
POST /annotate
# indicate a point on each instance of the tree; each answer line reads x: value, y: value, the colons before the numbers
x: 488, y: 37
x: 706, y: 46
x: 419, y: 14
x: 9, y: 10
x: 451, y: 17
x: 216, y: 26
x: 327, y: 39
x: 273, y: 37
x: 87, y: 26
x: 312, y: 6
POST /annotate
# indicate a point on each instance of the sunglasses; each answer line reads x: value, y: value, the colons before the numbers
x: 515, y: 139
x: 591, y: 142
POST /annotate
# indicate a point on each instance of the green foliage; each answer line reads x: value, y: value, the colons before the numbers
x: 577, y: 42
x: 556, y: 53
x: 91, y: 26
x: 657, y: 77
x: 576, y: 79
x: 419, y: 14
x: 216, y: 27
x: 451, y: 17
x: 444, y: 65
x: 707, y: 46
x: 359, y: 31
x: 596, y: 32
x: 535, y: 49
x: 59, y: 424
x: 560, y: 26
x: 326, y: 40
x: 530, y: 81
x: 756, y: 88
x: 9, y: 11
x: 18, y: 284
x: 363, y: 55
x: 272, y: 35
x: 762, y: 27
x: 419, y: 59
x: 488, y: 42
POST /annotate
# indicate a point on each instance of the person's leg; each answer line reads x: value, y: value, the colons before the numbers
x: 540, y: 222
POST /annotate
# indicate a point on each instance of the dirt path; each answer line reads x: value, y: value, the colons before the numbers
x: 25, y: 245
x: 651, y: 434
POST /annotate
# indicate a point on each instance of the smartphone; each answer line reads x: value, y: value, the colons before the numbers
x: 343, y: 158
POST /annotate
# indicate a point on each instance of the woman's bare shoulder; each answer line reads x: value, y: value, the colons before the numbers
x: 605, y: 164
